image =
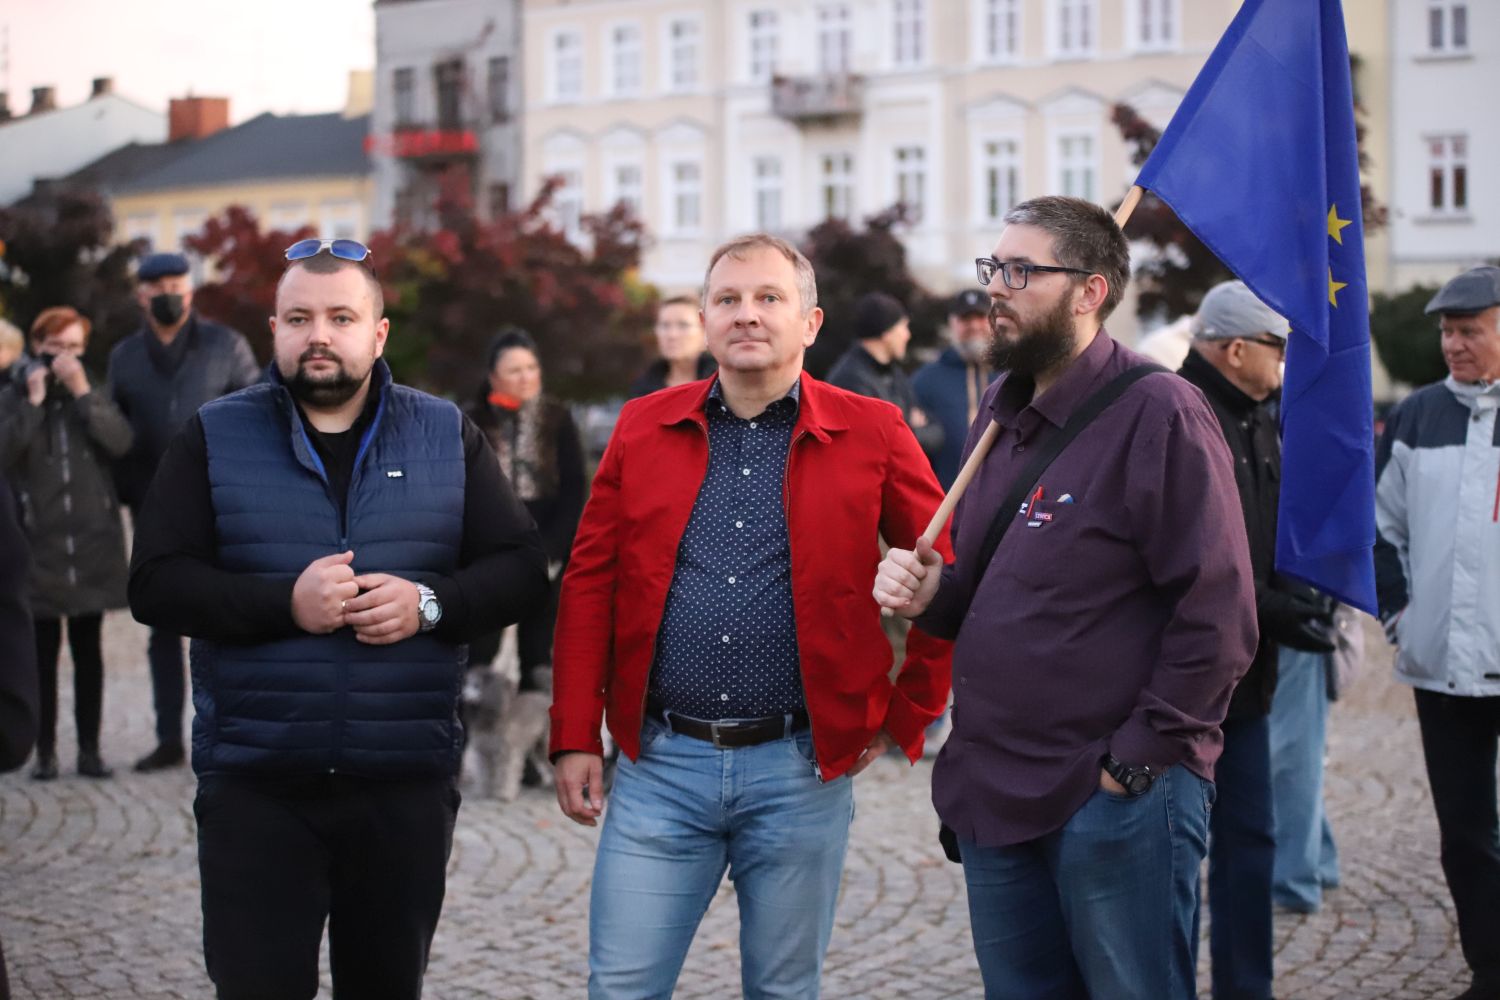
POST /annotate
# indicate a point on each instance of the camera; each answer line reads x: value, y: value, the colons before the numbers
x: 43, y: 361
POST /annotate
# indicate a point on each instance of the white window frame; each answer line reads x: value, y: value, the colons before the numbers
x: 627, y: 59
x: 1068, y: 159
x: 564, y: 80
x: 987, y: 29
x: 189, y: 222
x: 679, y: 52
x: 1443, y: 17
x: 768, y: 190
x: 1446, y: 164
x: 909, y: 31
x: 835, y: 37
x: 340, y: 218
x: 1072, y: 28
x: 289, y: 216
x: 911, y: 182
x: 1153, y: 25
x: 674, y: 190
x: 143, y: 226
x: 567, y: 203
x: 836, y: 184
x: 762, y: 43
x: 617, y: 190
x: 999, y: 160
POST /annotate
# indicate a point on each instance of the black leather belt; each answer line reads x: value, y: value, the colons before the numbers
x: 732, y: 733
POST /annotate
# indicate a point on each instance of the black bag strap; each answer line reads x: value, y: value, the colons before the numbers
x: 1081, y: 418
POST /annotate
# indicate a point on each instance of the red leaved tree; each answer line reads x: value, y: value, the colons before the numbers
x: 247, y: 263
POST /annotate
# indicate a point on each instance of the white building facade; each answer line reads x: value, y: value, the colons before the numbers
x: 48, y: 144
x: 447, y: 100
x: 715, y: 118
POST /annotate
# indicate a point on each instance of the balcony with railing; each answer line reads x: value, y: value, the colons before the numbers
x: 823, y: 97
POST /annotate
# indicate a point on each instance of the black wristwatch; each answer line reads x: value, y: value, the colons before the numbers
x: 1135, y: 779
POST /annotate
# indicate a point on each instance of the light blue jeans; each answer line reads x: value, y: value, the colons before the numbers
x: 1307, y: 861
x: 682, y: 815
x: 1101, y: 908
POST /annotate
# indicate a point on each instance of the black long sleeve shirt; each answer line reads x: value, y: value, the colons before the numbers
x: 176, y: 583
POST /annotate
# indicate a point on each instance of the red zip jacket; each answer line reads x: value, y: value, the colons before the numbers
x: 854, y: 473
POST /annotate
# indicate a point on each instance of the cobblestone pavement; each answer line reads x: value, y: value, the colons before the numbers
x: 98, y: 880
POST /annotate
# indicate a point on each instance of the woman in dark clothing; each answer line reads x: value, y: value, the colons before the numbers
x: 539, y: 450
x: 58, y: 436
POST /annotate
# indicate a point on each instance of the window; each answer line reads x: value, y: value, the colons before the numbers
x: 567, y: 66
x: 1448, y: 173
x: 767, y: 188
x: 499, y: 199
x: 404, y: 86
x: 1076, y: 172
x: 682, y: 55
x: 625, y: 186
x: 1001, y: 29
x: 763, y: 44
x: 1073, y: 26
x: 838, y: 185
x: 289, y: 216
x: 834, y: 38
x: 567, y: 204
x: 499, y: 88
x: 141, y: 227
x: 338, y: 219
x: 449, y: 77
x: 1447, y: 26
x: 909, y: 36
x: 625, y: 59
x: 1154, y: 24
x: 685, y: 196
x: 911, y: 181
x: 1000, y: 178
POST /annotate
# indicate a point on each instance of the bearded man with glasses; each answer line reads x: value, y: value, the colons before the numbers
x: 1097, y: 642
x: 330, y: 540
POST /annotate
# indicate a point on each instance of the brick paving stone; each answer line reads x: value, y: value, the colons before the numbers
x: 99, y: 884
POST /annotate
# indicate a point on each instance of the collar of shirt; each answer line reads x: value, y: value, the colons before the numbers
x: 1015, y: 397
x: 1201, y: 372
x: 785, y: 408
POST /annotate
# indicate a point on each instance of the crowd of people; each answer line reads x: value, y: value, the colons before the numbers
x: 1135, y: 689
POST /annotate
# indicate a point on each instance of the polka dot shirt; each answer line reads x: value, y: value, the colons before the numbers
x: 727, y: 648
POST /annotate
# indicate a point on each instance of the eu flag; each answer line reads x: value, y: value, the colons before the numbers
x: 1260, y: 162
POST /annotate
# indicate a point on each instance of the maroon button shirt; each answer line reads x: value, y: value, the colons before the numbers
x: 1116, y: 616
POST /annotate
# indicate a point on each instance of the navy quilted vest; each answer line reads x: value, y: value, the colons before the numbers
x: 330, y: 703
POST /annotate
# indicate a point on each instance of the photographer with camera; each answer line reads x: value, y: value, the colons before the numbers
x: 58, y: 435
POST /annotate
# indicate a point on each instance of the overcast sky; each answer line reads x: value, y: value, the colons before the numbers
x: 264, y: 55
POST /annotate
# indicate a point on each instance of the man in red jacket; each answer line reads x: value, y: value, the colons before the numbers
x: 717, y: 604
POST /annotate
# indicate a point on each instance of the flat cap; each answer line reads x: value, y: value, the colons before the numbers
x: 1231, y: 310
x: 968, y: 302
x: 161, y: 265
x: 1473, y: 291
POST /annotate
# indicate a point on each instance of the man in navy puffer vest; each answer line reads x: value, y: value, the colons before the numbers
x: 330, y: 540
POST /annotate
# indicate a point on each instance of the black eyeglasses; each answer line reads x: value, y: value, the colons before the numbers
x: 342, y: 249
x: 1274, y: 342
x: 1014, y: 273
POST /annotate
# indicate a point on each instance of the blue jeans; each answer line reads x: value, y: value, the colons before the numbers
x: 1100, y: 908
x: 1307, y: 860
x: 1241, y: 856
x: 682, y: 815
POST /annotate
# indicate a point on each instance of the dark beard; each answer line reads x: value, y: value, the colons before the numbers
x: 328, y: 391
x: 1041, y: 345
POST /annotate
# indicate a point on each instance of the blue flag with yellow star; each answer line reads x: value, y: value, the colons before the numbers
x: 1260, y: 162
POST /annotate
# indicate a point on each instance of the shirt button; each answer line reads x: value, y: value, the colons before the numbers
x: 739, y: 524
x: 745, y: 471
x: 723, y: 697
x: 753, y: 425
x: 726, y: 638
x: 1020, y: 447
x: 963, y: 679
x: 731, y: 579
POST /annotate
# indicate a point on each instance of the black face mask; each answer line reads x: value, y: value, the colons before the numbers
x: 166, y: 308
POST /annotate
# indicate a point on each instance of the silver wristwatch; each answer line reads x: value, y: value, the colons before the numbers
x: 429, y: 610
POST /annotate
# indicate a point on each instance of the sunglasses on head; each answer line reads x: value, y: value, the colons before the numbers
x: 342, y: 249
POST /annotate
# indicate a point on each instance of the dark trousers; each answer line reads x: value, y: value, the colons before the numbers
x: 88, y: 680
x: 168, y: 685
x: 1241, y: 864
x: 1460, y: 737
x: 279, y: 857
x: 533, y: 641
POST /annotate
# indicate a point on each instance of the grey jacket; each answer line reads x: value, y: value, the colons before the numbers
x: 159, y: 389
x: 1437, y: 558
x: 57, y: 458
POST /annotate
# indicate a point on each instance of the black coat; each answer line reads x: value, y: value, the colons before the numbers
x: 551, y: 480
x: 655, y: 375
x: 858, y: 371
x: 18, y: 680
x: 57, y: 457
